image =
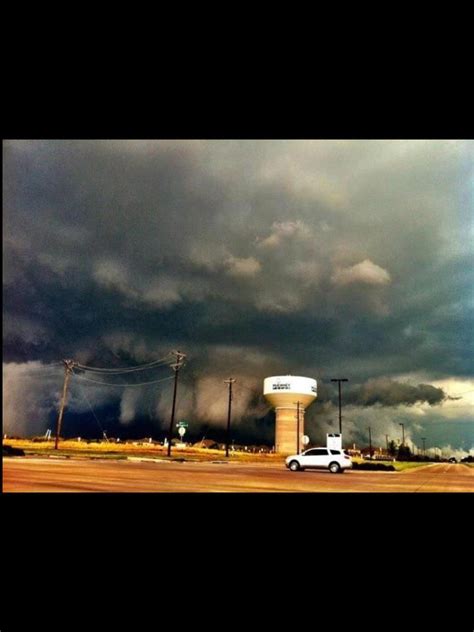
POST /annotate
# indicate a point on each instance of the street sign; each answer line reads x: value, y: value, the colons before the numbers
x: 334, y: 441
x: 182, y: 424
x: 181, y: 431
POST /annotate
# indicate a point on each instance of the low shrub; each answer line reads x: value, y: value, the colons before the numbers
x: 373, y: 466
x: 8, y: 450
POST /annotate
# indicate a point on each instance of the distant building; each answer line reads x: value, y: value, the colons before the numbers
x: 378, y: 454
x: 208, y: 444
x: 354, y: 452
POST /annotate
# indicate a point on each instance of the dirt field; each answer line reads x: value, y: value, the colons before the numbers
x: 31, y: 474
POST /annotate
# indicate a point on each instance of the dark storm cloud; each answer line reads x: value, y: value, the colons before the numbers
x: 315, y: 257
x: 386, y: 392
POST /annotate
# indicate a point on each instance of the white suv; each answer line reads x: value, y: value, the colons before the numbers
x: 336, y: 461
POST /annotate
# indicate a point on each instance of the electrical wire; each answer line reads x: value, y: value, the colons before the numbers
x: 118, y: 384
x: 84, y: 396
x: 146, y: 367
x: 141, y: 367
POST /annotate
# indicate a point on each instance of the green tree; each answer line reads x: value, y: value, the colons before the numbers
x: 404, y: 453
x: 392, y: 448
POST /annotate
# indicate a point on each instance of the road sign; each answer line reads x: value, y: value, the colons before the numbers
x: 181, y: 431
x: 182, y: 424
x: 305, y: 439
x: 334, y: 441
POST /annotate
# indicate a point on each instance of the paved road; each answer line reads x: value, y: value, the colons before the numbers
x: 74, y: 475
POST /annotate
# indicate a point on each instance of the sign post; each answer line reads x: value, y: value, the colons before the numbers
x: 182, y: 425
x: 334, y: 441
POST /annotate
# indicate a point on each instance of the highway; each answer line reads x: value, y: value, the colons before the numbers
x: 33, y: 474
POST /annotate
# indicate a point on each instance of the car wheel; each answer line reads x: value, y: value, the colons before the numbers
x: 294, y: 466
x: 334, y: 468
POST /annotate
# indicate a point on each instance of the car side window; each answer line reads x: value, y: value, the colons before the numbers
x: 311, y: 453
x: 320, y: 452
x: 335, y: 452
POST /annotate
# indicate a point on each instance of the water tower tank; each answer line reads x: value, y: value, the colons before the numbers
x: 287, y: 394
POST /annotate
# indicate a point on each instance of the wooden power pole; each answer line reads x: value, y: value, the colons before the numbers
x: 339, y: 380
x: 230, y: 381
x: 68, y: 367
x: 176, y: 367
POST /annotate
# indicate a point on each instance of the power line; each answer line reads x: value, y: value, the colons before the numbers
x: 148, y: 367
x: 118, y: 384
x: 141, y: 367
x: 180, y: 357
x: 84, y: 396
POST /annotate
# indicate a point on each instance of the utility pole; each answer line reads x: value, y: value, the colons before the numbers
x: 297, y: 427
x: 68, y: 367
x: 403, y: 433
x: 339, y: 380
x: 424, y: 447
x: 230, y: 381
x: 370, y: 443
x: 176, y: 367
x: 386, y: 441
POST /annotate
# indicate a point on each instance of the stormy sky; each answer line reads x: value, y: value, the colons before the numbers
x: 319, y: 258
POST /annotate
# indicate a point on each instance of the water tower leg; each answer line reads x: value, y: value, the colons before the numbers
x: 285, y: 429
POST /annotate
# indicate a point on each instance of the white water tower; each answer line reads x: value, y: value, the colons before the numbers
x: 289, y: 394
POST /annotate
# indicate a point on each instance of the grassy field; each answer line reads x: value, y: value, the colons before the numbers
x: 104, y: 450
x: 399, y: 466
